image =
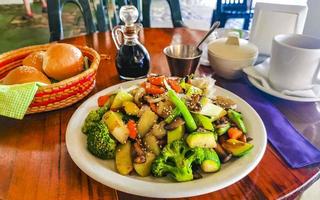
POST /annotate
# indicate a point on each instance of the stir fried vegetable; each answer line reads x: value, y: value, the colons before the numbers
x: 123, y: 158
x: 154, y: 89
x: 146, y: 121
x: 176, y: 160
x: 234, y: 133
x: 132, y: 126
x: 102, y: 100
x: 167, y: 127
x: 211, y: 162
x: 175, y: 85
x: 175, y: 134
x: 100, y: 143
x: 95, y: 116
x: 130, y: 108
x: 190, y: 123
x: 222, y: 128
x: 236, y: 117
x: 144, y: 169
x: 156, y: 80
x: 204, y: 122
x: 236, y: 147
x: 175, y: 113
x: 120, y: 97
x: 116, y: 126
x: 201, y: 139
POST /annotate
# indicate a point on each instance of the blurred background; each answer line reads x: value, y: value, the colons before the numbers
x: 17, y: 31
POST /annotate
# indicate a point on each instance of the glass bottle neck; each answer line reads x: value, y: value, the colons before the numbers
x: 130, y: 34
x: 130, y: 40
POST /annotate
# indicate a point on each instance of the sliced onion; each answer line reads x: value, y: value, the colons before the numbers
x: 149, y: 99
x: 222, y: 125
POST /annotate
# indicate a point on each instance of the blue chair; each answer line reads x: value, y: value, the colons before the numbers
x: 55, y: 16
x: 227, y: 9
x: 100, y: 9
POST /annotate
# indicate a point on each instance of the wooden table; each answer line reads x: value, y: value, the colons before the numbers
x: 35, y: 164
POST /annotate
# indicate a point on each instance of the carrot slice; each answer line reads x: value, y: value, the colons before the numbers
x: 132, y: 126
x: 153, y: 89
x: 153, y: 107
x: 175, y: 85
x: 102, y: 100
x: 234, y: 133
x: 156, y: 80
x: 143, y: 84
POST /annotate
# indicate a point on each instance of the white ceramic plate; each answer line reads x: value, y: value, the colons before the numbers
x: 279, y: 94
x: 104, y: 171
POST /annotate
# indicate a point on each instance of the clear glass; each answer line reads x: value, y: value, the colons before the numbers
x: 132, y: 59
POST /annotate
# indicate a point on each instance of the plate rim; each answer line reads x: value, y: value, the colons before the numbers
x: 141, y: 192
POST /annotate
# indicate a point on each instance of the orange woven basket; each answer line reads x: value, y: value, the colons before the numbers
x: 57, y: 95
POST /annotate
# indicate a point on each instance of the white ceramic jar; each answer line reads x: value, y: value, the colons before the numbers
x: 228, y: 56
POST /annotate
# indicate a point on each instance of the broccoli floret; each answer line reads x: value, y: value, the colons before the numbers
x: 176, y: 160
x: 92, y: 119
x: 95, y: 116
x: 100, y: 143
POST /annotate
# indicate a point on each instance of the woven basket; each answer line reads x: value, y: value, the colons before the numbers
x: 56, y: 95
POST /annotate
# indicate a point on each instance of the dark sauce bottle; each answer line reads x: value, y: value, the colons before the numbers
x: 132, y: 59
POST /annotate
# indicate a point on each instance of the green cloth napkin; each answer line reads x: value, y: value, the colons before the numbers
x: 15, y: 99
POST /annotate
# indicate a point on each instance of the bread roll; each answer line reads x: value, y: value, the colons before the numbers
x: 24, y: 74
x: 35, y: 60
x: 62, y: 61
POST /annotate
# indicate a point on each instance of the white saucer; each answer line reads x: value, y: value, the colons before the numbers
x: 278, y: 94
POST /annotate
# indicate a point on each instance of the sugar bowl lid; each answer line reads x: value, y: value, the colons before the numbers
x: 232, y: 48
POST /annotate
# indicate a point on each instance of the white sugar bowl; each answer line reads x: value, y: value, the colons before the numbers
x: 228, y: 56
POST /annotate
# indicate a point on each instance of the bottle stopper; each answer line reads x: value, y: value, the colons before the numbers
x: 129, y: 14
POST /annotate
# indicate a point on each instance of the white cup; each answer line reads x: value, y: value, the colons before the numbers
x: 295, y: 62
